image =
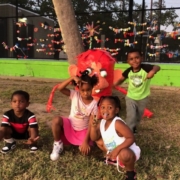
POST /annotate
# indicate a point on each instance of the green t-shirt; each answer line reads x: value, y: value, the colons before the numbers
x: 138, y: 87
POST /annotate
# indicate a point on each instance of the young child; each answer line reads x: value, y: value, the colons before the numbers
x: 74, y: 129
x: 114, y: 137
x: 139, y: 76
x: 19, y: 123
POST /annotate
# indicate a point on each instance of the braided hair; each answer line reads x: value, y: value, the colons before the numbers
x: 91, y: 80
x: 116, y: 100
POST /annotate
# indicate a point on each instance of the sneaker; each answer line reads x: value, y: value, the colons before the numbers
x: 57, y: 149
x: 33, y: 148
x: 131, y: 175
x: 8, y: 147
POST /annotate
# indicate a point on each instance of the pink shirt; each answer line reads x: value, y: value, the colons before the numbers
x: 80, y: 112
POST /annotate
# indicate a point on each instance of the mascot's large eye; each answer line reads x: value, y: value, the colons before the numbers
x: 103, y: 73
x: 89, y: 70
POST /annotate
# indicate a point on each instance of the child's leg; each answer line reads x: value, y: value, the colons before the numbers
x: 128, y: 159
x: 6, y: 133
x: 33, y: 135
x: 57, y: 125
x: 140, y: 108
x: 131, y: 113
x: 33, y: 132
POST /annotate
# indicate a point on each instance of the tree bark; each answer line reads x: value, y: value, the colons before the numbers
x: 69, y: 29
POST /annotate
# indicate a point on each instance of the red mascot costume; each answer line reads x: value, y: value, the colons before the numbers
x: 101, y: 63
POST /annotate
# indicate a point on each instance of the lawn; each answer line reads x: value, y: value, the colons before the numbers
x: 158, y: 138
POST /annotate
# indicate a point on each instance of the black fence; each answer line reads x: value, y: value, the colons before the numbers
x: 155, y: 33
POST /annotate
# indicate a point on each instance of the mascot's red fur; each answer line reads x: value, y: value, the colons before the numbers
x: 100, y: 63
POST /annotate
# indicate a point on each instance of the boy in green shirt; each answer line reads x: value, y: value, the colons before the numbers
x: 139, y: 76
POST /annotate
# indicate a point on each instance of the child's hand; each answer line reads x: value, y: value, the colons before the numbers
x: 113, y: 154
x: 78, y: 81
x: 31, y: 140
x: 84, y: 148
x: 95, y: 120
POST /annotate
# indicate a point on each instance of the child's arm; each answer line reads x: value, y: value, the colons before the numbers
x: 120, y: 81
x: 94, y: 128
x: 31, y: 141
x: 32, y: 129
x: 64, y: 84
x: 123, y: 77
x: 124, y: 131
x: 151, y: 73
x: 84, y: 147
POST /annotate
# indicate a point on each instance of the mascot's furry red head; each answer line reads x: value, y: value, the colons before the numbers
x: 101, y: 63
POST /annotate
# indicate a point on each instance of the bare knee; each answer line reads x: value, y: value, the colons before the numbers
x: 3, y: 129
x: 5, y: 132
x: 127, y: 155
x: 57, y: 121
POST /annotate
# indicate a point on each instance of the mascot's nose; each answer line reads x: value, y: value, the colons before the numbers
x: 103, y: 83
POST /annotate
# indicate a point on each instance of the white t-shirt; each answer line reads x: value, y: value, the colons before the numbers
x: 111, y: 139
x: 80, y: 112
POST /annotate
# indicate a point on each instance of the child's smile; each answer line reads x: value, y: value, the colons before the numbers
x: 134, y: 60
x: 108, y: 109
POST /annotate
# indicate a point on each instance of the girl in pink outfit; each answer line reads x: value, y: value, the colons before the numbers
x: 74, y: 129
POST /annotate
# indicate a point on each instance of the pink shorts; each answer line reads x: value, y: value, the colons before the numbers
x: 71, y: 136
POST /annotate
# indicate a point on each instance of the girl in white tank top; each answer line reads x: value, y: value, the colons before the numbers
x: 114, y: 137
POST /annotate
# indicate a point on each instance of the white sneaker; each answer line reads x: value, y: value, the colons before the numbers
x: 57, y: 149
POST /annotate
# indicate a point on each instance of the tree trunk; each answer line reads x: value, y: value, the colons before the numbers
x: 69, y: 29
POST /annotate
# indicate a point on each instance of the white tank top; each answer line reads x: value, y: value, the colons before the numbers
x: 110, y: 136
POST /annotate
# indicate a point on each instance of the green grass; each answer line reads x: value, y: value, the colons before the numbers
x: 158, y: 139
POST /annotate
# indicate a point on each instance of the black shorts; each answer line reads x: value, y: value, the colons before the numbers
x: 17, y: 135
